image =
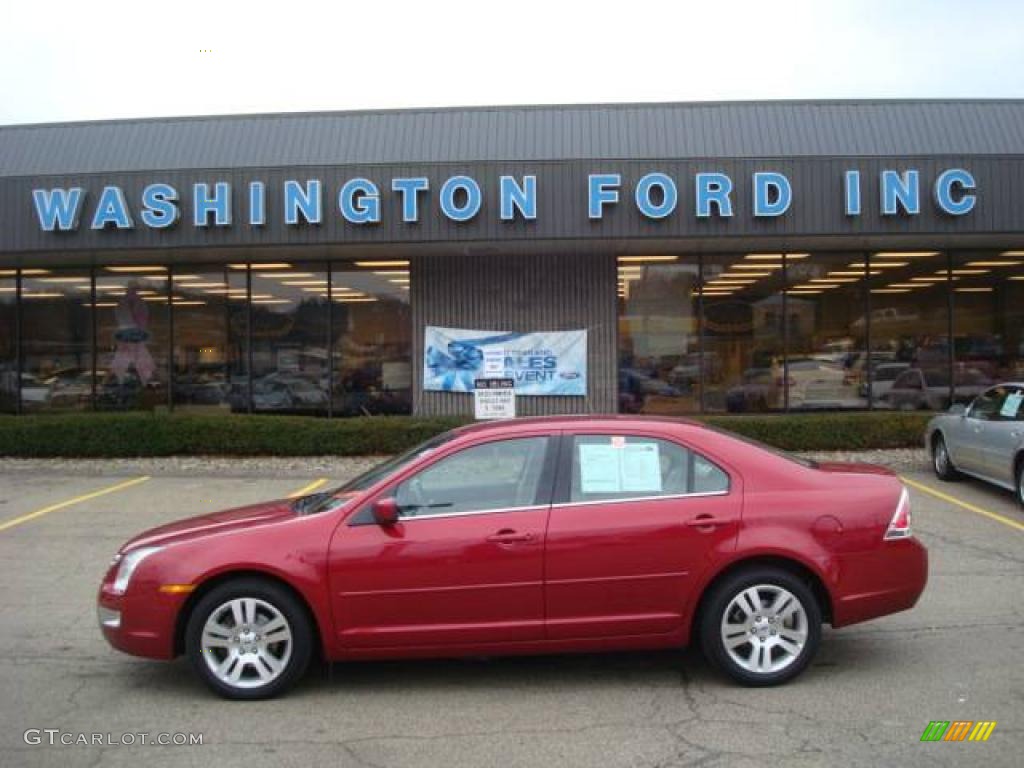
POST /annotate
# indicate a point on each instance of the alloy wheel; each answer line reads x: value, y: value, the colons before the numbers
x: 941, y: 458
x: 764, y: 629
x: 246, y: 642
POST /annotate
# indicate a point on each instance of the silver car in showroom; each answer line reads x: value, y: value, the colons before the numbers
x: 984, y: 439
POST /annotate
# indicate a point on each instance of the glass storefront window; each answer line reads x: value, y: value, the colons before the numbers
x: 372, y: 337
x: 131, y: 314
x: 744, y: 328
x: 209, y: 309
x: 988, y: 312
x: 57, y: 340
x: 8, y: 341
x: 659, y: 345
x: 826, y: 331
x: 289, y: 338
x: 909, y: 327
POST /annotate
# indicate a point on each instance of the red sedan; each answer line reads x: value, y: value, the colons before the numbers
x: 528, y: 536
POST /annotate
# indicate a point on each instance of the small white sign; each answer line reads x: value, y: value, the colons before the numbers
x: 494, y: 363
x: 494, y: 399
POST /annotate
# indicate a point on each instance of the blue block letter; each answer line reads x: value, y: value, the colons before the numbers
x: 713, y: 188
x: 159, y: 206
x: 302, y: 200
x: 963, y: 182
x: 604, y: 188
x: 58, y: 208
x: 900, y: 190
x: 515, y: 197
x: 112, y: 209
x: 359, y: 201
x: 408, y: 189
x: 473, y: 198
x: 669, y: 195
x: 764, y: 184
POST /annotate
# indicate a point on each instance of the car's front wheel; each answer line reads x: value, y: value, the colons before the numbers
x: 249, y: 639
x: 761, y: 626
x: 1020, y: 482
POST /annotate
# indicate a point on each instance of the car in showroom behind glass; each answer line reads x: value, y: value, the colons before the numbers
x: 528, y: 536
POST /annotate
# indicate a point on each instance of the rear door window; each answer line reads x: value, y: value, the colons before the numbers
x: 613, y: 467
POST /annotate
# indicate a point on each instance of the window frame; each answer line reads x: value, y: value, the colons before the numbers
x: 563, y: 486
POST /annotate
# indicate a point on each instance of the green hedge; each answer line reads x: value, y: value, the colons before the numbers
x: 830, y: 431
x: 110, y: 435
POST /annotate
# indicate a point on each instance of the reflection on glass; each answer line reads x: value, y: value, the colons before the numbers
x: 743, y: 332
x: 372, y: 330
x: 988, y: 312
x: 826, y: 305
x: 131, y: 316
x: 8, y: 342
x: 909, y: 322
x: 209, y: 338
x: 56, y: 340
x: 289, y: 339
x: 659, y: 351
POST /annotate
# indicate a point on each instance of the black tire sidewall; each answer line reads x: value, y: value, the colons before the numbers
x: 279, y: 597
x: 720, y: 597
x: 1020, y: 482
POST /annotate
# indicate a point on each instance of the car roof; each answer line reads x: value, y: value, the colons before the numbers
x: 569, y: 421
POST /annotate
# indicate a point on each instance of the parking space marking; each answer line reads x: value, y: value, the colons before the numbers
x: 308, y: 488
x: 70, y: 502
x: 963, y: 504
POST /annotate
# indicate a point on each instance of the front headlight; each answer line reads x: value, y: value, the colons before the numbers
x: 127, y: 563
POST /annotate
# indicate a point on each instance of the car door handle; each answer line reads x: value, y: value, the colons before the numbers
x: 706, y: 521
x: 509, y: 537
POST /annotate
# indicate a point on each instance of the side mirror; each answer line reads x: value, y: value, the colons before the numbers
x: 958, y: 409
x: 385, y: 511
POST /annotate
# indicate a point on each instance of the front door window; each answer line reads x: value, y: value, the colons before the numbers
x: 499, y: 475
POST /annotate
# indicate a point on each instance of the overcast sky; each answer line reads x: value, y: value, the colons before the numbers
x: 79, y: 60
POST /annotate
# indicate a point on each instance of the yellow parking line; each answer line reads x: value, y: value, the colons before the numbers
x: 308, y: 488
x: 70, y: 502
x: 969, y: 507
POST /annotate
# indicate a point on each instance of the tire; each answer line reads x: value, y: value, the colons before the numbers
x: 755, y: 631
x: 942, y: 463
x: 262, y: 668
x: 1020, y: 481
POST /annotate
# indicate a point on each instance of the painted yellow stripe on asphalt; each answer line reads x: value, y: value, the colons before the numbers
x: 308, y: 488
x: 71, y: 502
x: 963, y: 504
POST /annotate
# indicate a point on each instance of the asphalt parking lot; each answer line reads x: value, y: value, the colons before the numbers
x: 867, y: 699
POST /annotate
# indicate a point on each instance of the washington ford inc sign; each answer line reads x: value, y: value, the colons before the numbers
x: 460, y: 198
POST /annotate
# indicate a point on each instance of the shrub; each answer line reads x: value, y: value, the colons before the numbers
x: 113, y: 435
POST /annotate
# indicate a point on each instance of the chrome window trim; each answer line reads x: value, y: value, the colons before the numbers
x: 470, y: 512
x: 701, y: 494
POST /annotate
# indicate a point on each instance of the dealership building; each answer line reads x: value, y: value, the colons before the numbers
x: 663, y: 258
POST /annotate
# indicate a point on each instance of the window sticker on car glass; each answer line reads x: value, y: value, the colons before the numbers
x: 600, y: 470
x: 618, y: 441
x: 641, y: 468
x: 1011, y: 405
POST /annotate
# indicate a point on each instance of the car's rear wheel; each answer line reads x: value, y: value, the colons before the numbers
x: 1020, y: 481
x: 761, y: 626
x: 941, y: 461
x: 249, y: 639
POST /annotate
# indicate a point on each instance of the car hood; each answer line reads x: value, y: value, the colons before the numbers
x: 854, y: 468
x: 215, y: 522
